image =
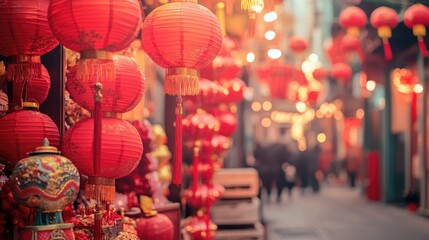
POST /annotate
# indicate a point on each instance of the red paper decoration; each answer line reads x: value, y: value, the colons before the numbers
x: 121, y: 150
x: 33, y: 90
x: 298, y: 44
x: 342, y: 72
x: 352, y: 18
x: 415, y: 17
x: 157, y: 227
x: 384, y: 19
x: 22, y: 131
x: 95, y: 29
x: 24, y: 36
x: 120, y: 95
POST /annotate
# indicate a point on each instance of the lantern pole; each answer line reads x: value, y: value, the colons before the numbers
x: 96, y: 158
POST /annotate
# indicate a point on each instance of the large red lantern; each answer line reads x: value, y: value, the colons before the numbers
x: 120, y: 95
x: 158, y: 226
x: 341, y: 72
x: 120, y: 153
x: 352, y: 18
x: 95, y: 29
x: 24, y: 36
x: 22, y: 131
x: 181, y: 36
x: 415, y: 17
x: 384, y: 19
x: 35, y: 89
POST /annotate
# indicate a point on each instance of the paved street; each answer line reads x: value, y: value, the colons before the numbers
x: 340, y: 213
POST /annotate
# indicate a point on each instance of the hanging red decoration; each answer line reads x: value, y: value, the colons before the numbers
x: 320, y: 73
x: 342, y: 72
x: 415, y: 17
x: 121, y: 151
x: 209, y: 94
x: 25, y: 36
x: 203, y: 195
x: 200, y: 227
x: 234, y: 93
x: 350, y: 44
x: 95, y: 29
x: 404, y: 80
x: 32, y: 90
x: 153, y: 225
x: 252, y: 7
x: 352, y: 18
x: 22, y: 131
x: 183, y: 37
x: 384, y: 19
x: 119, y: 95
x: 298, y: 45
x: 200, y: 125
x: 227, y: 121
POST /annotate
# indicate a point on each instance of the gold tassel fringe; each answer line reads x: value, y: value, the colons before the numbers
x: 24, y: 67
x: 95, y: 70
x: 181, y: 81
x: 249, y: 4
x: 100, y: 188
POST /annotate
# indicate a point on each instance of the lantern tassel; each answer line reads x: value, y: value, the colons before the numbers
x: 181, y: 81
x: 422, y: 46
x: 97, y: 128
x: 252, y: 23
x: 24, y: 67
x: 95, y: 64
x: 100, y: 188
x: 387, y: 49
x: 195, y: 163
x: 177, y: 175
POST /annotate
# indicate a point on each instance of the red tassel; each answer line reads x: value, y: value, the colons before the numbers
x: 97, y: 128
x: 422, y: 46
x: 387, y: 49
x: 195, y: 163
x: 177, y: 173
x: 252, y: 26
x: 97, y: 222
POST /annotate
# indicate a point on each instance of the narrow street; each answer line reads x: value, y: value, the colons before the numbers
x: 340, y: 213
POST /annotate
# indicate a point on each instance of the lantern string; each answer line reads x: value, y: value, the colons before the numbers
x: 422, y: 46
x: 177, y: 174
x: 387, y: 50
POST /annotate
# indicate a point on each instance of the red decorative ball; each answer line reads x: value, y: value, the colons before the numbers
x: 36, y: 89
x: 341, y: 72
x: 298, y: 44
x: 22, y: 131
x: 416, y: 15
x: 95, y: 25
x: 227, y: 120
x: 320, y: 73
x: 121, y: 147
x: 24, y: 29
x: 120, y: 95
x: 352, y: 17
x: 200, y: 227
x: 235, y: 88
x: 200, y: 126
x: 158, y: 227
x: 204, y: 195
x: 384, y: 17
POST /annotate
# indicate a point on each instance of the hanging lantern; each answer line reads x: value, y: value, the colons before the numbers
x: 95, y: 29
x: 200, y: 125
x: 227, y: 121
x: 181, y: 36
x: 320, y: 73
x: 45, y: 181
x: 22, y: 131
x: 342, y: 72
x: 252, y: 7
x: 404, y: 80
x: 25, y: 36
x: 200, y: 227
x: 36, y: 89
x: 384, y: 19
x: 203, y: 195
x: 351, y: 44
x: 235, y: 88
x: 120, y: 95
x: 415, y: 17
x: 298, y: 45
x: 352, y: 18
x: 121, y: 151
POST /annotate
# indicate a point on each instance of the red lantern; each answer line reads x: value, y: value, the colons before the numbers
x: 24, y: 36
x: 342, y: 72
x: 95, y: 29
x: 235, y: 88
x: 158, y: 227
x: 384, y: 19
x: 415, y: 17
x: 351, y: 44
x: 352, y: 18
x: 404, y: 80
x: 22, y: 131
x: 209, y: 94
x: 120, y: 95
x: 181, y: 36
x: 121, y: 151
x: 204, y: 195
x: 298, y: 45
x: 200, y: 227
x: 200, y: 125
x: 227, y: 121
x: 36, y: 89
x: 320, y: 73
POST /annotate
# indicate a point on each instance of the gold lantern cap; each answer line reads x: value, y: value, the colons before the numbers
x: 45, y: 148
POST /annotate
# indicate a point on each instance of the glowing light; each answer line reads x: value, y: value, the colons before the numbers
x: 250, y: 57
x: 313, y: 58
x: 270, y: 35
x: 274, y: 53
x: 418, y: 88
x: 321, y: 137
x: 360, y: 113
x: 301, y: 107
x: 258, y: 8
x: 266, y: 122
x: 307, y: 67
x: 267, y: 105
x: 370, y: 85
x: 319, y: 114
x: 338, y: 115
x: 256, y: 106
x: 270, y: 16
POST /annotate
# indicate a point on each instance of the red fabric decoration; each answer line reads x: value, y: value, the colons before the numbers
x: 298, y: 44
x: 121, y: 150
x: 234, y: 93
x: 341, y: 72
x: 352, y: 18
x: 120, y: 95
x: 415, y: 17
x: 24, y: 36
x: 95, y: 29
x: 384, y: 19
x: 181, y: 36
x: 36, y: 89
x: 22, y: 131
x: 227, y: 121
x: 158, y: 227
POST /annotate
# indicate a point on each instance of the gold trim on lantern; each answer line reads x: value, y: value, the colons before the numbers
x: 101, y: 181
x: 384, y: 32
x: 181, y: 81
x: 112, y: 115
x: 181, y: 71
x: 100, y: 188
x: 23, y: 59
x: 419, y: 30
x: 353, y: 31
x: 96, y: 54
x: 30, y: 105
